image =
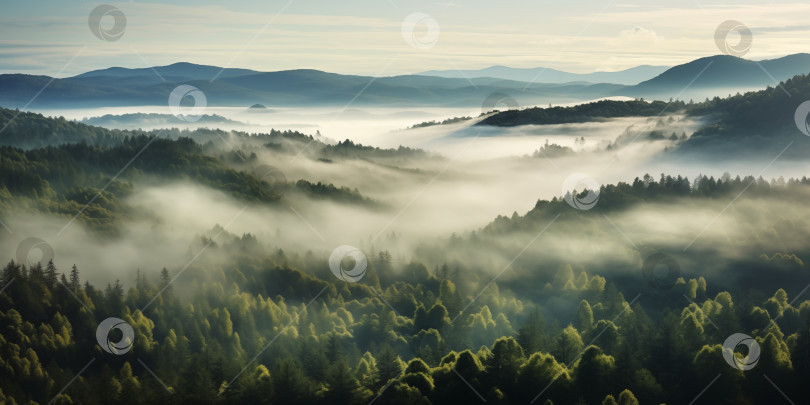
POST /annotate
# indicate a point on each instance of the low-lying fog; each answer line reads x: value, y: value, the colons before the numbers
x: 384, y: 127
x: 477, y: 174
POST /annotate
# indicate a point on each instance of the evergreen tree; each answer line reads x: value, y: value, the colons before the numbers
x: 568, y: 345
x: 75, y: 283
x: 50, y: 274
x: 341, y: 386
x: 389, y: 365
x: 289, y: 383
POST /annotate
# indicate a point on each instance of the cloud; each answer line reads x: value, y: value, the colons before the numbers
x: 348, y: 40
x: 640, y: 33
x: 792, y: 28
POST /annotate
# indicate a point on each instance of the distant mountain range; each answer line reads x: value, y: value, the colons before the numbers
x: 303, y: 87
x: 547, y: 75
x: 716, y: 75
x: 175, y: 72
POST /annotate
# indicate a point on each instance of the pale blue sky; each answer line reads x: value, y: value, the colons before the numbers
x: 365, y: 37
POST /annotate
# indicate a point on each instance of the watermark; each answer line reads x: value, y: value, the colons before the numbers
x: 420, y: 31
x: 801, y: 115
x: 725, y: 30
x: 497, y: 101
x: 103, y: 336
x: 348, y: 263
x: 274, y: 178
x: 111, y: 34
x: 661, y: 271
x: 749, y: 361
x: 26, y: 252
x: 176, y: 97
x: 588, y: 194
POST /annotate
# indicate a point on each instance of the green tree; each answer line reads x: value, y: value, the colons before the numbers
x: 389, y: 364
x: 341, y: 386
x: 627, y: 398
x: 584, y: 317
x: 50, y: 274
x: 75, y: 283
x: 593, y: 374
x: 531, y: 335
x: 290, y: 386
x: 502, y: 365
x: 568, y: 345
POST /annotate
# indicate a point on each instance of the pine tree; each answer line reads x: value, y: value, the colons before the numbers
x: 341, y: 386
x: 531, y: 336
x: 164, y: 278
x: 50, y: 274
x: 75, y: 283
x: 389, y: 365
x: 334, y: 348
x: 290, y: 384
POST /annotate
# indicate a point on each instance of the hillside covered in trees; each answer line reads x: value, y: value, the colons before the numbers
x: 583, y: 316
x: 272, y: 326
x: 587, y: 112
x: 741, y: 125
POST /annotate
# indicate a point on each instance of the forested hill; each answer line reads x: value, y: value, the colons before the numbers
x: 588, y: 112
x: 56, y: 166
x: 268, y: 326
x: 25, y: 129
x: 28, y: 130
x: 761, y: 121
x: 769, y: 109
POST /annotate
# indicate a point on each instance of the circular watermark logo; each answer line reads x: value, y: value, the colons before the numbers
x: 661, y: 271
x: 34, y: 250
x: 497, y: 101
x: 749, y: 361
x: 420, y: 31
x: 103, y: 336
x: 573, y: 188
x: 274, y: 178
x: 178, y: 94
x: 348, y: 263
x: 801, y: 115
x: 109, y: 34
x: 725, y: 30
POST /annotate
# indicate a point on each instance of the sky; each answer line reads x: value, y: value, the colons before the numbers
x: 389, y: 37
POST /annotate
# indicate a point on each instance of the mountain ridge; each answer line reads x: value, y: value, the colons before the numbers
x: 628, y: 76
x: 721, y: 72
x: 711, y: 76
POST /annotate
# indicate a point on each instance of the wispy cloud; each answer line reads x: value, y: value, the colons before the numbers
x: 354, y: 39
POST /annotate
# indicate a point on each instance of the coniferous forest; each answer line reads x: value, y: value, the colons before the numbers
x: 583, y: 314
